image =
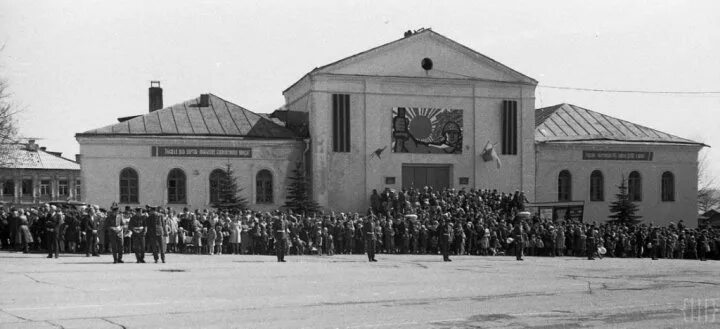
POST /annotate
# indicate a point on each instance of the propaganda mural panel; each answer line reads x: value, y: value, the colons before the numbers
x: 427, y: 130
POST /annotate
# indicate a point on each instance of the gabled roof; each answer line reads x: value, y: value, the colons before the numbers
x: 571, y: 123
x: 220, y: 118
x: 23, y: 157
x: 418, y: 34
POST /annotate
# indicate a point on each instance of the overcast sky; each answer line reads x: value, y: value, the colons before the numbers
x: 77, y: 65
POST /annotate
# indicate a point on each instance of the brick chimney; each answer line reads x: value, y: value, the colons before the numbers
x: 77, y: 158
x: 156, y: 97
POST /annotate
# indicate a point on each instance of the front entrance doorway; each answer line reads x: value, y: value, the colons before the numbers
x: 419, y: 176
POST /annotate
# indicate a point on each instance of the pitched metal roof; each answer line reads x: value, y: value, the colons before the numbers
x: 22, y: 157
x: 220, y: 118
x: 570, y: 123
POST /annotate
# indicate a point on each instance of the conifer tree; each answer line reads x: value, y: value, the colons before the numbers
x: 298, y: 193
x: 623, y: 209
x: 230, y: 191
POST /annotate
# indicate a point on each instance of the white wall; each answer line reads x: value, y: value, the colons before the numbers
x: 680, y: 160
x: 104, y: 157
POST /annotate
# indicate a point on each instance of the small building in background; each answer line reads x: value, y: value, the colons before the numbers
x: 32, y: 175
x: 583, y: 156
x: 176, y: 155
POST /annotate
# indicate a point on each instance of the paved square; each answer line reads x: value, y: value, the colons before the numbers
x: 400, y: 291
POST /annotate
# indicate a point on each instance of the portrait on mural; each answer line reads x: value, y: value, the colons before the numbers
x: 427, y: 130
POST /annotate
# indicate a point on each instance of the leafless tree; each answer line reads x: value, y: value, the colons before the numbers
x: 8, y: 127
x: 708, y: 191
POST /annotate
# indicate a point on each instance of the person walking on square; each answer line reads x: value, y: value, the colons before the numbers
x: 116, y: 226
x: 370, y: 238
x: 137, y: 226
x: 280, y: 230
x: 591, y: 247
x: 156, y: 232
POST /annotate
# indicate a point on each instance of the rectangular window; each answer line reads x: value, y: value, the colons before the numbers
x: 62, y: 187
x: 45, y: 188
x: 389, y: 180
x: 9, y: 188
x: 341, y: 122
x: 464, y: 180
x: 78, y: 190
x: 27, y: 187
x: 509, y: 127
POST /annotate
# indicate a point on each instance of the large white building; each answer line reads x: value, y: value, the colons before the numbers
x: 418, y: 111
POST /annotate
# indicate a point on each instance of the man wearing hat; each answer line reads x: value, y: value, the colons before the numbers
x: 156, y: 232
x: 137, y: 226
x: 116, y: 225
x: 280, y: 231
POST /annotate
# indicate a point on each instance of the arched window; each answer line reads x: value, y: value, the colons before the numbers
x: 129, y: 186
x: 176, y: 186
x: 667, y: 186
x: 635, y: 186
x: 597, y: 186
x: 564, y: 186
x: 216, y: 178
x: 264, y: 187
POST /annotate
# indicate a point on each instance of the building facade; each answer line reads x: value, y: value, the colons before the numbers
x: 415, y: 112
x: 175, y: 155
x: 32, y: 175
x: 420, y: 111
x: 583, y: 156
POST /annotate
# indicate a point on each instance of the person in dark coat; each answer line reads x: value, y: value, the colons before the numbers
x: 89, y: 226
x: 445, y: 232
x: 370, y: 238
x: 518, y: 236
x: 53, y: 222
x: 156, y: 232
x: 137, y: 226
x: 280, y: 232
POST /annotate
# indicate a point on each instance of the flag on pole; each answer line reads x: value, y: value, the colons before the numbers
x: 489, y: 154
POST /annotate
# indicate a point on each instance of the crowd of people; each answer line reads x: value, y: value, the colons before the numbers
x: 413, y: 221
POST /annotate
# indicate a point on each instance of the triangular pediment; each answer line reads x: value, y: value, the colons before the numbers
x: 403, y: 57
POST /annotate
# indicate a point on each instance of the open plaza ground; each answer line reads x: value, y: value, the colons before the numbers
x: 345, y: 291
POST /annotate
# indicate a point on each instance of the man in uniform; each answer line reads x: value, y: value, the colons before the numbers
x: 280, y: 230
x: 591, y: 247
x: 137, y: 226
x: 89, y: 226
x: 444, y: 232
x: 370, y: 238
x: 655, y: 241
x: 156, y: 232
x: 518, y: 234
x: 116, y: 226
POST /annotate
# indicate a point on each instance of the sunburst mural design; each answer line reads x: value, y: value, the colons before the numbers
x: 426, y: 130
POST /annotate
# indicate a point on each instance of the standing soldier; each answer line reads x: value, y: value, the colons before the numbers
x: 445, y: 231
x: 518, y: 235
x: 116, y: 225
x: 370, y: 238
x: 280, y: 229
x: 591, y: 247
x: 137, y: 226
x: 655, y: 241
x: 156, y: 232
